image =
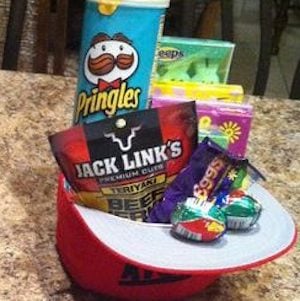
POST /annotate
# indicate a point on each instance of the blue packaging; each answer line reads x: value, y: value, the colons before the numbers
x: 118, y: 48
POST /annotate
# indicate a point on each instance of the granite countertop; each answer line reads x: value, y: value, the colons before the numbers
x: 33, y: 106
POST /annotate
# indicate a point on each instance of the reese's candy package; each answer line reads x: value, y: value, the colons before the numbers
x: 122, y: 165
x: 205, y: 175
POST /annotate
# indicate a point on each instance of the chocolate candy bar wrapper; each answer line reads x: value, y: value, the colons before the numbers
x: 198, y: 220
x: 241, y: 212
x: 201, y: 178
x: 122, y: 165
x: 245, y: 176
x: 225, y: 185
x: 239, y: 180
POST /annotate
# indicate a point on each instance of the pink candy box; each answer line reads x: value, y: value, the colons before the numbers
x: 232, y: 119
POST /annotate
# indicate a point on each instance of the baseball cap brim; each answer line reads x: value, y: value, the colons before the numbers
x: 153, y: 246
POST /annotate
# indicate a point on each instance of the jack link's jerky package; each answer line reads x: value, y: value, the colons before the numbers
x: 123, y: 164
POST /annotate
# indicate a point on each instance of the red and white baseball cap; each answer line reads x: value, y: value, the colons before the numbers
x: 140, y: 261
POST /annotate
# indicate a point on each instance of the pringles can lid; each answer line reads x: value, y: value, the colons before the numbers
x: 136, y: 3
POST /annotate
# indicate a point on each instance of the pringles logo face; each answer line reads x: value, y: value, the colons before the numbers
x: 167, y: 54
x: 109, y: 62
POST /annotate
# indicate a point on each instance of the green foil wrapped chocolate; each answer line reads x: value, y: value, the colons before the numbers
x: 198, y: 220
x: 241, y: 212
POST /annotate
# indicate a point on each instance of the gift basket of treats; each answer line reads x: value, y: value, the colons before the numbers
x: 157, y: 198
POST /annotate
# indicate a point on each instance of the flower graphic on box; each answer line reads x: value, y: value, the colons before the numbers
x: 232, y: 130
x: 232, y: 174
x: 205, y: 123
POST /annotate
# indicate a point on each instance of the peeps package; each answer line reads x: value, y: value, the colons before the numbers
x: 194, y: 60
x: 118, y: 48
x: 217, y: 119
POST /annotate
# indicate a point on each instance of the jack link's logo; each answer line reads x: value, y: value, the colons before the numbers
x: 129, y: 161
x: 127, y: 147
x: 109, y: 62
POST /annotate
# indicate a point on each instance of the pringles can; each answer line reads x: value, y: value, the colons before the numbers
x: 118, y: 49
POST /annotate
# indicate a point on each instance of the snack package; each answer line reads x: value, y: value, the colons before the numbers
x: 122, y: 165
x: 117, y: 57
x: 193, y: 60
x: 197, y: 92
x: 233, y: 120
x: 198, y: 221
x: 242, y: 212
x: 202, y: 178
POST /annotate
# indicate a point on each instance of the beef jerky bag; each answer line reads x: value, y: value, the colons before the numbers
x: 122, y: 165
